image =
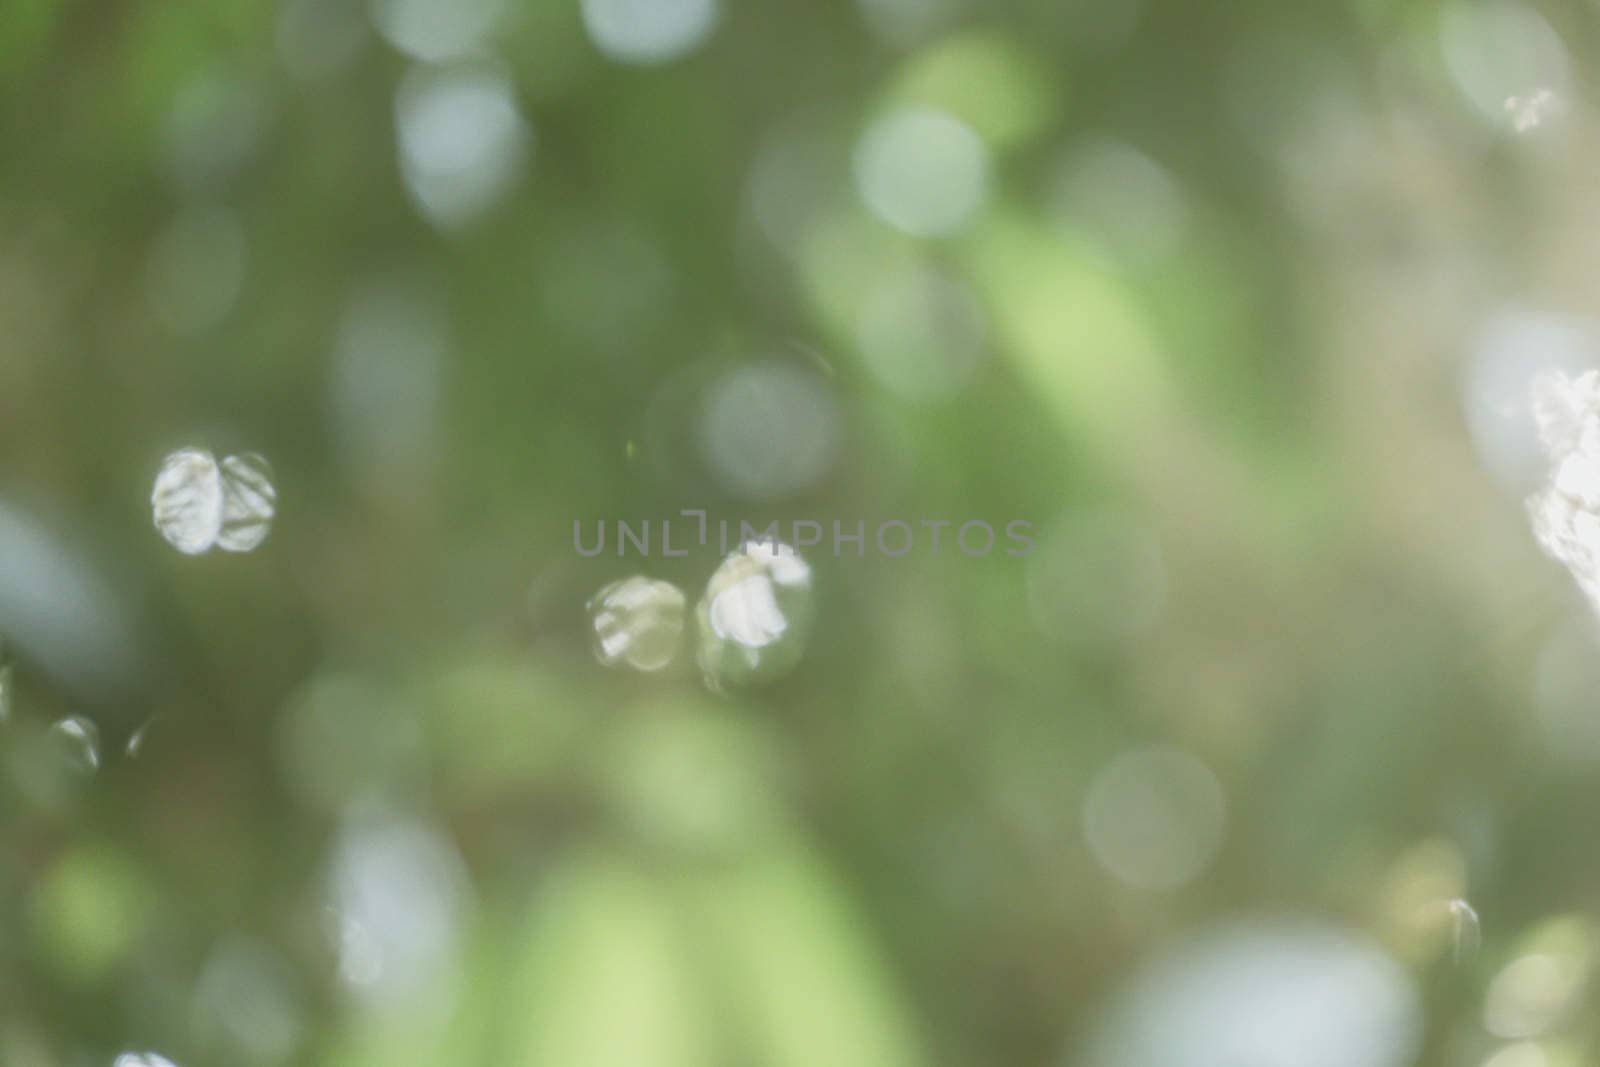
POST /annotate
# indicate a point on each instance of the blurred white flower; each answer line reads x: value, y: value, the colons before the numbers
x: 1533, y: 110
x: 1561, y: 408
x: 1566, y: 512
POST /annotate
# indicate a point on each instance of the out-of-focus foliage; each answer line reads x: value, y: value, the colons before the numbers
x: 1278, y: 748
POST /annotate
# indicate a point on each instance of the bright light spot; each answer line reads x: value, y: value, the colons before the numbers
x: 1533, y: 110
x: 770, y: 429
x: 399, y: 892
x: 781, y: 562
x: 388, y: 363
x: 1531, y: 994
x: 142, y: 1059
x: 245, y: 1004
x: 434, y: 30
x: 749, y: 614
x: 1565, y: 410
x: 199, y: 504
x: 1566, y: 513
x: 187, y: 500
x: 137, y: 739
x: 196, y: 270
x: 923, y: 333
x: 1267, y: 994
x: 77, y: 744
x: 922, y: 171
x: 639, y: 622
x: 463, y: 143
x: 1512, y: 349
x: 55, y: 608
x: 248, y: 502
x: 1123, y: 202
x: 1499, y: 50
x: 755, y: 615
x: 1466, y: 933
x: 1154, y: 818
x: 317, y: 39
x: 649, y: 31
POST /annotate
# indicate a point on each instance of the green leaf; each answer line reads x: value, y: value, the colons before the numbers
x: 798, y: 967
x: 603, y: 978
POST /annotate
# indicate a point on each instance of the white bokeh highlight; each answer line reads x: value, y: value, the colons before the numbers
x: 399, y: 895
x: 922, y: 171
x: 1499, y: 50
x: 1566, y: 512
x: 1508, y: 352
x: 198, y: 503
x: 186, y: 501
x: 463, y: 143
x: 142, y: 1059
x: 770, y: 429
x: 249, y: 502
x: 1267, y: 993
x: 1154, y: 818
x: 638, y: 622
x: 1535, y: 110
x: 648, y: 32
x: 75, y: 741
x: 755, y: 616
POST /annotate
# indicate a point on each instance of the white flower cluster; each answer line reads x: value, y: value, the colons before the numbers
x: 1566, y: 512
x: 199, y: 503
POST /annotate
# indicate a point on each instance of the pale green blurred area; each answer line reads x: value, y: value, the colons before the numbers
x: 1238, y: 316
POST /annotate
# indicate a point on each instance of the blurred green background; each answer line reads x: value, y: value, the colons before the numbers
x: 1279, y: 750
